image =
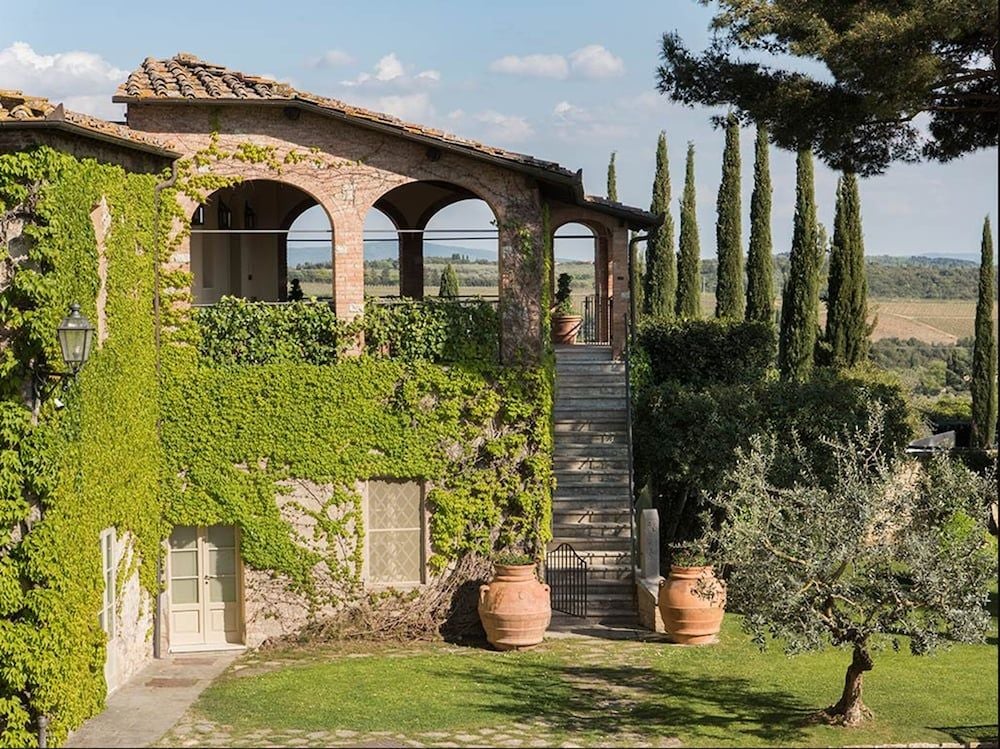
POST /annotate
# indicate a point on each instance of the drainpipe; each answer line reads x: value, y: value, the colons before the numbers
x: 170, y: 182
x: 43, y: 731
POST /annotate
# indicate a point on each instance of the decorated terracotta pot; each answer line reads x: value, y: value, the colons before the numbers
x: 565, y: 328
x: 692, y: 603
x: 515, y: 607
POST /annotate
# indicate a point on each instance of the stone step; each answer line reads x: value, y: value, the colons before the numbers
x: 591, y: 496
x: 589, y: 368
x: 591, y: 529
x: 594, y: 351
x: 603, y: 544
x: 586, y: 406
x: 601, y: 388
x: 568, y: 516
x: 574, y: 412
x: 615, y: 481
x: 587, y: 438
x: 606, y: 450
x: 566, y: 427
x: 580, y: 379
x: 566, y: 463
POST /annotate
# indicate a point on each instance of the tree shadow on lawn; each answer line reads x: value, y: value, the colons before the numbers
x: 635, y: 700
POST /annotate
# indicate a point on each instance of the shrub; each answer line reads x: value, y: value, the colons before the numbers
x: 700, y: 353
x: 433, y: 330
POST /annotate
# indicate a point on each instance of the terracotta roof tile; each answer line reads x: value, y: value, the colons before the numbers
x: 184, y: 76
x: 18, y: 107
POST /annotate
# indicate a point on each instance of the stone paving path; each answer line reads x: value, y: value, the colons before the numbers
x: 146, y: 707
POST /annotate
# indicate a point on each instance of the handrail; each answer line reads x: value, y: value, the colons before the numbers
x: 626, y: 355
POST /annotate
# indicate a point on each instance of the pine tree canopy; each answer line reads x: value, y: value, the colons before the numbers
x: 689, y: 257
x: 760, y: 260
x: 612, y: 179
x: 800, y: 299
x: 729, y: 297
x: 847, y: 327
x: 984, y: 355
x: 661, y: 264
x: 888, y: 61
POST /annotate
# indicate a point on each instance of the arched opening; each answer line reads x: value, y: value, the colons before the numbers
x: 252, y: 239
x: 581, y: 251
x: 414, y: 231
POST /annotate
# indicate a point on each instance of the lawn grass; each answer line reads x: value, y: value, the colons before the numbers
x: 597, y: 691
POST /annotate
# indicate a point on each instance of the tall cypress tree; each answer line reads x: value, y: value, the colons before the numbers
x: 760, y: 263
x: 800, y: 298
x: 689, y: 258
x: 984, y: 355
x: 847, y: 327
x: 661, y: 264
x: 448, y: 288
x: 729, y: 299
x: 612, y: 180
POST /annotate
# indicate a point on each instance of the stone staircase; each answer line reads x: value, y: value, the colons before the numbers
x: 590, y: 508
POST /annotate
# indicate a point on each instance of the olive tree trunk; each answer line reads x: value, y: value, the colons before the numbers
x: 850, y: 710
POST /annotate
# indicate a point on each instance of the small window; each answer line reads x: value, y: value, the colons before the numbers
x: 395, y: 533
x: 107, y: 615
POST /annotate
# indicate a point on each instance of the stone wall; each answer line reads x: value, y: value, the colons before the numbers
x: 132, y: 646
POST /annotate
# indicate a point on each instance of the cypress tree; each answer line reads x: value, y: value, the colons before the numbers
x: 689, y: 258
x: 612, y: 180
x: 984, y: 355
x: 729, y: 299
x: 449, y: 283
x: 800, y: 297
x: 661, y: 265
x: 847, y: 328
x: 760, y: 263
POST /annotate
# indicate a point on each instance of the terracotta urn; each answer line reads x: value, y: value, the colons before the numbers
x: 565, y: 328
x: 515, y: 607
x: 692, y: 603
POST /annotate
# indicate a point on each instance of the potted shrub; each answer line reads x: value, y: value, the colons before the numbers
x: 515, y: 607
x: 565, y: 321
x: 692, y: 599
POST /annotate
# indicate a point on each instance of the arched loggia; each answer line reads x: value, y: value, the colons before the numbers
x: 415, y: 229
x: 581, y: 250
x: 241, y: 237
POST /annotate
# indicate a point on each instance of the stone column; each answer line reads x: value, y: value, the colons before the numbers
x: 620, y: 295
x: 411, y: 264
x: 602, y: 282
x: 521, y: 279
x: 348, y: 265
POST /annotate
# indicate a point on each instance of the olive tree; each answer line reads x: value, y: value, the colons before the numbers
x: 875, y: 552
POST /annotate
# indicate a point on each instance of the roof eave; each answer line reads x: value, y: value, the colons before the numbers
x: 85, y: 132
x: 634, y: 217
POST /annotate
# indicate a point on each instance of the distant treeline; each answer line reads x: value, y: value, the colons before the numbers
x: 928, y: 368
x: 903, y: 277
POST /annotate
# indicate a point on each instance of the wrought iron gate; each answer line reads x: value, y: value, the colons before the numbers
x: 588, y: 328
x: 566, y: 574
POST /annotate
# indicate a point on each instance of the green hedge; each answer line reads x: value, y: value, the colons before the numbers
x: 238, y: 331
x: 699, y: 353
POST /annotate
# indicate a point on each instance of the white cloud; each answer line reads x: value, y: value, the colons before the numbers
x: 535, y: 66
x: 503, y: 127
x: 388, y: 68
x: 333, y: 58
x: 566, y: 111
x: 416, y: 107
x: 594, y: 61
x: 390, y: 73
x: 83, y: 81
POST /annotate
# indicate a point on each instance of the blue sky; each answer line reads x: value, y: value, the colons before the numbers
x: 564, y: 81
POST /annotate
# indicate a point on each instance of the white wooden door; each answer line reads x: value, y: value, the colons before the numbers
x: 205, y: 586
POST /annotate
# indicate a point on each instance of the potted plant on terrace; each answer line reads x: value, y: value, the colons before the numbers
x: 692, y: 599
x: 515, y: 608
x: 565, y: 321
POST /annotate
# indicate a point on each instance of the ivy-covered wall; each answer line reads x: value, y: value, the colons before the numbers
x: 71, y: 472
x: 210, y: 440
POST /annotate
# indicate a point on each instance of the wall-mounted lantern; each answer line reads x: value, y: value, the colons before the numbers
x: 76, y: 335
x: 225, y: 216
x: 249, y: 218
